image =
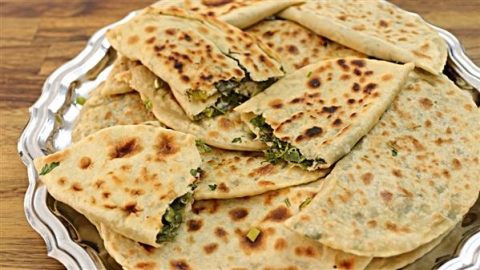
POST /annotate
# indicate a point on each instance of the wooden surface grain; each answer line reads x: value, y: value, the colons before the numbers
x: 39, y: 35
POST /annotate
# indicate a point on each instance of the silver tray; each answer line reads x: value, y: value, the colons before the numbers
x: 73, y: 241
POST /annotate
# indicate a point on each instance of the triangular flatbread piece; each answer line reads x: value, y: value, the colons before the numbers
x: 135, y: 179
x: 201, y: 58
x: 315, y: 115
x: 376, y: 28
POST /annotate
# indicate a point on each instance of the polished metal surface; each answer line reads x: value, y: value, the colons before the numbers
x: 73, y: 241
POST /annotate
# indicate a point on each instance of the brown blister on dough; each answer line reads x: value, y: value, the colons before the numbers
x: 307, y: 251
x: 238, y: 214
x: 126, y: 148
x: 77, y: 187
x: 276, y: 104
x: 166, y: 146
x: 260, y: 243
x: 278, y: 214
x: 194, y: 225
x: 85, y: 162
x: 262, y: 171
x: 131, y: 208
x: 146, y: 265
x: 210, y: 248
x: 179, y: 265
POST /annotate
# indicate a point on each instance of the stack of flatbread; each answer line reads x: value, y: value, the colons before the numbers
x: 272, y: 135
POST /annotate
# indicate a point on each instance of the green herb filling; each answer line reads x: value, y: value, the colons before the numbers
x: 232, y: 94
x: 173, y: 218
x: 280, y: 151
x: 202, y: 147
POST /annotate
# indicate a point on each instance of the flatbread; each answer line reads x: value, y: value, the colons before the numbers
x: 240, y: 13
x: 194, y: 54
x: 220, y: 131
x: 232, y: 174
x: 100, y: 112
x: 376, y: 28
x: 113, y: 85
x: 214, y: 237
x: 410, y: 180
x: 297, y: 46
x: 123, y: 176
x: 324, y: 109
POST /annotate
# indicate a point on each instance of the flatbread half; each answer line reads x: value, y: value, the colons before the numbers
x: 376, y: 28
x: 200, y: 57
x: 127, y: 177
x: 240, y: 13
x: 315, y: 115
x: 297, y: 46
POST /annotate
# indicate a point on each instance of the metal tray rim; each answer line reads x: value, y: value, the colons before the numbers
x: 42, y: 117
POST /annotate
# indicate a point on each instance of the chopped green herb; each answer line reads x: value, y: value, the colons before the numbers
x: 212, y: 187
x: 309, y: 74
x: 173, y: 218
x: 196, y: 172
x: 305, y: 203
x: 287, y: 202
x: 252, y: 234
x: 80, y: 100
x: 225, y: 103
x: 394, y: 152
x: 202, y: 147
x: 49, y: 167
x: 258, y: 121
x: 232, y: 94
x: 193, y: 186
x: 237, y: 140
x: 280, y: 151
x: 148, y: 104
x: 197, y: 95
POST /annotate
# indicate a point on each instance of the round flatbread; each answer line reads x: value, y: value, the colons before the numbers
x: 215, y: 237
x: 410, y: 180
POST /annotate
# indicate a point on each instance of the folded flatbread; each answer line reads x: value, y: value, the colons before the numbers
x: 297, y: 46
x: 100, y: 112
x: 210, y: 66
x: 240, y: 13
x: 410, y: 180
x: 218, y: 234
x: 315, y: 115
x: 376, y: 28
x: 233, y: 174
x: 224, y: 131
x: 113, y: 84
x: 135, y: 179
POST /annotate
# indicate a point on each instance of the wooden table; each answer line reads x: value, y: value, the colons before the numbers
x: 37, y: 36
